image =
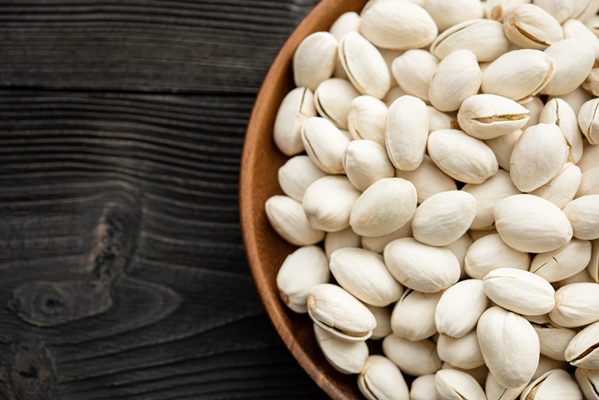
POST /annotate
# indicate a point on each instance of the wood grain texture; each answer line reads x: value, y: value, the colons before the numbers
x: 122, y: 270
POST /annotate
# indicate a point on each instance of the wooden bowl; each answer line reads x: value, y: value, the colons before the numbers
x: 265, y: 249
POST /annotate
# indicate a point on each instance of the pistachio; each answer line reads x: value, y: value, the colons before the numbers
x: 583, y: 214
x: 314, y: 60
x: 535, y: 106
x: 585, y: 9
x: 364, y: 275
x: 574, y: 28
x: 383, y: 321
x: 296, y: 175
x: 387, y: 205
x: 366, y: 162
x: 456, y: 385
x: 554, y: 340
x: 562, y: 189
x: 289, y: 220
x: 528, y: 25
x: 438, y: 120
x: 539, y: 155
x: 413, y: 358
x: 590, y: 157
x: 428, y: 179
x: 510, y: 346
x: 563, y: 262
x: 347, y: 22
x: 479, y: 373
x: 461, y: 156
x: 393, y: 94
x: 593, y: 267
x: 346, y: 357
x: 487, y: 116
x: 489, y: 253
x: 413, y: 71
x: 457, y: 77
x: 495, y: 391
x: 399, y: 25
x: 503, y: 146
x: 477, y: 235
x: 444, y: 217
x: 576, y: 98
x: 459, y: 248
x: 328, y: 202
x: 339, y: 313
x: 406, y: 132
x: 561, y: 10
x: 333, y: 99
x: 547, y: 364
x: 366, y: 119
x: 295, y: 109
x: 340, y: 239
x: 574, y: 59
x: 589, y: 183
x: 378, y: 243
x: 588, y: 380
x: 494, y: 9
x: 447, y: 14
x: 413, y: 316
x: 364, y: 65
x: 423, y: 388
x: 577, y: 304
x: 588, y: 121
x: 325, y: 144
x: 463, y: 352
x: 582, y: 350
x: 460, y: 307
x: 421, y: 267
x: 553, y: 385
x: 381, y: 380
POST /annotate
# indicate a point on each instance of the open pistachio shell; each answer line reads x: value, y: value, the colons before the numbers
x: 583, y: 350
x: 528, y: 25
x: 295, y: 109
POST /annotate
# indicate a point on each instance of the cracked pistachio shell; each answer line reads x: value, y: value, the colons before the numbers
x: 510, y: 346
x: 296, y: 175
x: 414, y: 70
x: 467, y: 36
x: 562, y: 189
x: 421, y: 267
x: 423, y: 388
x: 364, y: 65
x: 413, y: 358
x: 366, y: 162
x: 576, y: 98
x: 561, y: 10
x: 460, y: 307
x: 593, y: 267
x: 449, y: 13
x: 583, y: 214
x: 387, y: 205
x: 539, y: 155
x: 489, y: 253
x: 457, y: 77
x: 518, y: 74
x: 289, y: 220
x: 314, y: 60
x: 487, y: 116
x: 428, y: 179
x: 341, y: 239
x: 503, y: 146
x: 553, y: 385
x: 574, y: 59
x: 295, y: 109
x: 532, y: 224
x: 583, y: 350
x: 380, y: 379
x: 479, y: 374
x: 333, y: 99
x: 577, y: 304
x: 553, y: 339
x: 534, y: 105
x: 364, y: 275
x: 519, y: 291
x: 346, y: 357
x: 325, y: 144
x: 406, y: 132
x: 399, y: 25
x: 463, y: 352
x: 328, y: 203
x: 413, y: 316
x: 495, y: 391
x: 589, y: 183
x: 487, y: 195
x: 563, y: 262
x: 366, y: 119
x: 494, y: 9
x: 574, y: 28
x: 383, y: 321
x: 452, y: 384
x: 347, y: 22
x: 378, y: 243
x: 588, y: 121
x: 529, y: 26
x: 444, y: 217
x: 339, y: 313
x: 588, y: 380
x: 301, y: 271
x: 461, y: 156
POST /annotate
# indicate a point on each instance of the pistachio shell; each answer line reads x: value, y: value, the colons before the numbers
x: 589, y: 183
x: 577, y: 304
x: 561, y: 10
x: 364, y: 65
x: 456, y: 385
x: 314, y: 59
x: 341, y: 239
x: 289, y: 220
x: 383, y: 321
x: 582, y: 276
x: 583, y: 214
x: 459, y: 248
x: 339, y: 313
x: 406, y: 132
x: 347, y: 22
x: 495, y: 391
x: 574, y: 28
x: 438, y: 120
x: 553, y: 339
x: 528, y: 25
x: 487, y: 116
x: 539, y: 155
x: 366, y: 162
x: 421, y: 267
x: 479, y: 373
x: 423, y: 388
x: 413, y: 316
x: 503, y: 146
x: 381, y: 380
x: 535, y: 106
x: 428, y: 179
x: 494, y: 9
x: 463, y: 352
x: 460, y: 307
x: 585, y: 9
x: 366, y: 119
x: 563, y: 262
x: 574, y: 59
x: 583, y: 351
x: 387, y: 205
x: 399, y: 25
x: 547, y: 364
x: 296, y: 175
x: 378, y: 243
x: 576, y: 98
x: 346, y: 357
x: 393, y: 94
x: 295, y: 109
x: 413, y: 358
x: 461, y: 156
x: 328, y: 202
x: 562, y: 189
x: 414, y: 70
x: 593, y: 266
x: 449, y: 13
x: 588, y: 380
x: 588, y: 121
x: 333, y: 99
x: 325, y: 144
x: 553, y: 385
x: 532, y: 224
x: 489, y: 253
x: 457, y: 77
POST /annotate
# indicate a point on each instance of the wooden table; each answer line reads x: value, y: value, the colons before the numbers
x: 123, y: 270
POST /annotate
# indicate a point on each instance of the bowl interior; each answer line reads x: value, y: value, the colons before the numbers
x: 258, y: 181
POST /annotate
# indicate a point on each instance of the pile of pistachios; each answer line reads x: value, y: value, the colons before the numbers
x: 443, y: 189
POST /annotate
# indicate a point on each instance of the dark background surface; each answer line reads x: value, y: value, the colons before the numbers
x: 123, y: 273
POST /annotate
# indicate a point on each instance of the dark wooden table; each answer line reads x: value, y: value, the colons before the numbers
x: 123, y: 273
